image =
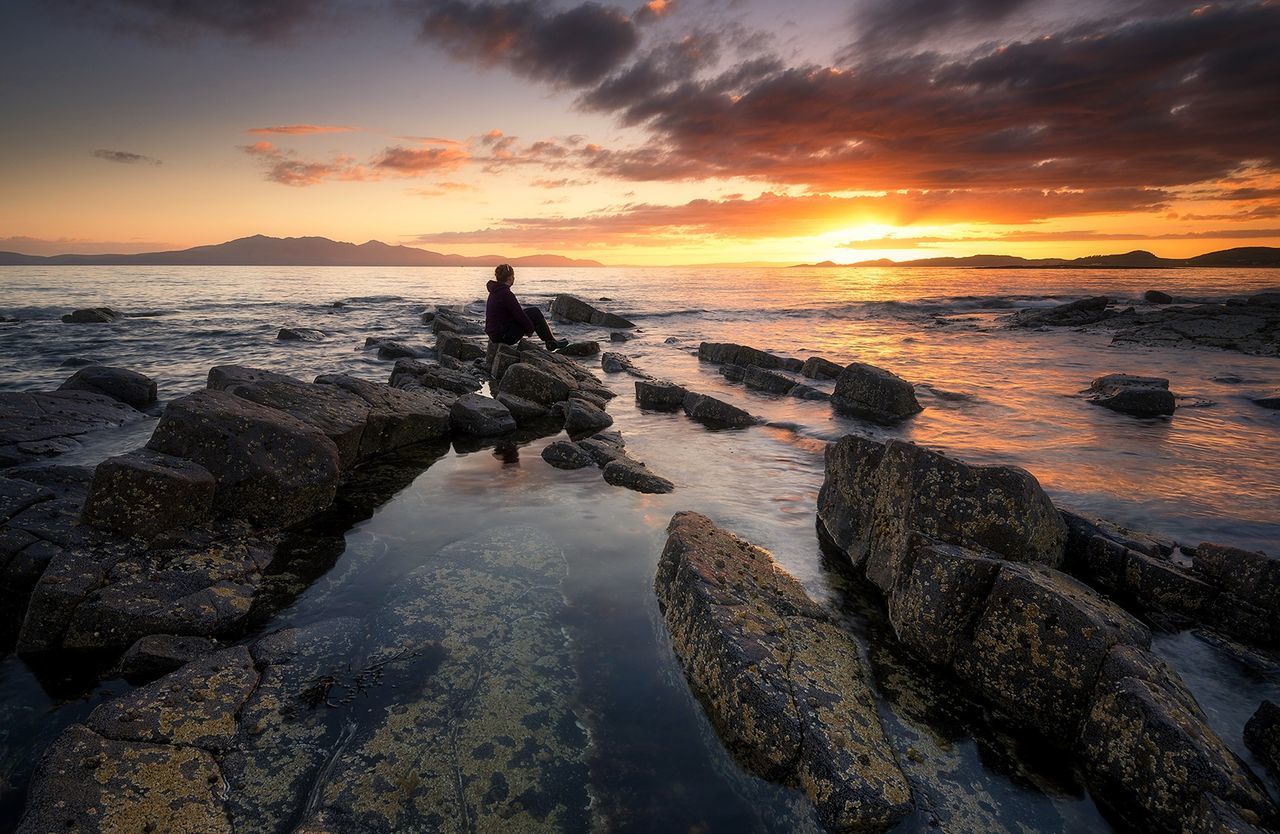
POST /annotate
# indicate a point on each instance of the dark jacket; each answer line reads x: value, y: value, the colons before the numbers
x: 503, y: 314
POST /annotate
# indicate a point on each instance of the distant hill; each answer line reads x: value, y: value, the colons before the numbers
x: 1244, y: 256
x: 260, y: 250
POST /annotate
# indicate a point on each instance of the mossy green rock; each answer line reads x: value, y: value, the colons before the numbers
x: 782, y: 685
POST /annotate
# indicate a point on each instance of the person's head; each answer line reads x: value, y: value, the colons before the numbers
x: 505, y: 274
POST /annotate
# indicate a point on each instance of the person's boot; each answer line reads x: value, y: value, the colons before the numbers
x: 557, y: 344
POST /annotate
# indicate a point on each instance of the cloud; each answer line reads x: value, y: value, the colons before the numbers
x: 298, y: 130
x: 418, y: 161
x: 125, y: 157
x: 654, y: 10
x: 177, y: 20
x: 574, y: 47
x: 286, y: 167
x: 441, y: 189
x: 1021, y: 236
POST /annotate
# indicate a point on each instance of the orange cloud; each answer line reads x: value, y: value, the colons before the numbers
x: 298, y: 130
x: 415, y: 162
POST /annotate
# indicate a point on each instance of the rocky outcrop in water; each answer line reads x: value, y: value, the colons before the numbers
x: 715, y: 413
x: 965, y: 557
x: 91, y: 315
x: 781, y: 683
x: 1071, y: 314
x: 300, y: 334
x: 580, y: 349
x: 1157, y: 297
x: 43, y: 424
x: 660, y: 395
x: 815, y: 367
x: 631, y: 474
x: 616, y: 363
x: 874, y: 394
x: 120, y: 384
x: 1141, y: 396
x: 568, y: 308
x: 480, y: 416
x: 410, y: 374
x: 734, y: 354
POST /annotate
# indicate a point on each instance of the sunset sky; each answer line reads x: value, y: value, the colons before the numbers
x: 677, y: 131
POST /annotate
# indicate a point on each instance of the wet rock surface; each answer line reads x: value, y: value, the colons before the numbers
x: 300, y: 334
x: 1141, y: 396
x: 1071, y: 314
x: 874, y: 394
x: 632, y: 474
x: 565, y: 454
x: 128, y: 387
x: 571, y: 309
x: 41, y: 424
x: 145, y: 493
x: 782, y: 685
x: 735, y: 354
x: 481, y: 416
x: 716, y: 413
x: 91, y: 315
x: 660, y: 395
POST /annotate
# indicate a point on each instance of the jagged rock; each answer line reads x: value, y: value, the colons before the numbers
x: 1072, y: 314
x: 1141, y: 396
x: 145, y: 493
x: 1248, y: 328
x: 582, y: 418
x: 571, y: 309
x: 271, y: 469
x: 937, y: 595
x: 300, y: 334
x: 632, y: 474
x: 660, y: 395
x: 1153, y: 582
x: 733, y: 373
x: 874, y: 394
x: 91, y: 315
x: 411, y: 373
x: 504, y: 356
x: 42, y: 424
x: 1157, y: 297
x: 732, y: 354
x: 1038, y: 645
x: 480, y: 416
x: 564, y: 454
x: 715, y: 413
x: 160, y: 654
x: 762, y: 380
x: 535, y: 384
x: 815, y: 367
x: 450, y: 343
x: 1149, y: 755
x: 874, y: 496
x: 128, y: 387
x: 580, y: 349
x: 604, y: 448
x: 396, y: 418
x: 782, y: 685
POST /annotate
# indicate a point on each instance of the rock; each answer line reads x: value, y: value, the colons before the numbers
x: 580, y: 349
x: 41, y: 424
x: 582, y: 418
x: 448, y: 321
x: 874, y: 394
x: 616, y: 363
x: 782, y: 685
x: 807, y: 392
x: 564, y: 454
x: 1250, y: 575
x: 1073, y: 314
x: 1038, y: 645
x: 396, y: 418
x: 524, y: 411
x: 128, y: 387
x: 1150, y: 757
x: 715, y: 413
x: 145, y: 493
x: 391, y: 349
x: 300, y: 334
x: 571, y: 309
x: 534, y: 384
x: 272, y: 469
x: 629, y: 473
x: 761, y: 380
x: 504, y: 356
x: 1157, y: 297
x: 411, y: 373
x: 619, y: 336
x: 1218, y: 817
x: 815, y: 367
x: 1154, y: 582
x: 160, y: 654
x: 1141, y: 396
x: 1271, y: 400
x: 453, y: 344
x: 77, y: 362
x: 1248, y: 328
x: 91, y: 315
x: 733, y: 354
x: 733, y: 373
x: 659, y: 395
x: 875, y: 496
x: 604, y: 448
x: 937, y: 595
x: 481, y: 416
x: 89, y: 783
x: 1264, y: 299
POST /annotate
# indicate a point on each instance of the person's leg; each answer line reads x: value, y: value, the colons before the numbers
x: 540, y: 325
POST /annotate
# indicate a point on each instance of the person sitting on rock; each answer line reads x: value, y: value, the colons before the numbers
x: 505, y: 321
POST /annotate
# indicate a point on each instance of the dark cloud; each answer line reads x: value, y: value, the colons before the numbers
x: 575, y: 47
x: 252, y: 20
x: 897, y: 22
x: 125, y: 157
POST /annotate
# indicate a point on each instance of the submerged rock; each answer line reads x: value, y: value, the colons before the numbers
x: 616, y: 363
x: 128, y: 387
x: 734, y: 354
x: 565, y: 454
x: 1141, y: 396
x: 1072, y: 314
x: 1271, y: 400
x: 760, y: 379
x: 571, y: 309
x: 715, y: 413
x: 632, y: 474
x: 782, y: 685
x: 91, y: 315
x: 300, y: 334
x: 874, y: 394
x: 481, y: 416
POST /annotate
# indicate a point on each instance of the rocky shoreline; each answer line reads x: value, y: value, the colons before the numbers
x: 158, y: 563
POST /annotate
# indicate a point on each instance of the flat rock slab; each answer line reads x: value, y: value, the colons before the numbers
x: 782, y: 685
x: 42, y: 424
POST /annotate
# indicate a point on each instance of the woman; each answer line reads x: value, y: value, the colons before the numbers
x: 506, y: 321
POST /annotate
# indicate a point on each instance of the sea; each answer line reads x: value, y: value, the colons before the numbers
x: 991, y: 395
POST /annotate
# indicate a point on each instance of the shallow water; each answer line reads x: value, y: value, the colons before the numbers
x: 652, y: 762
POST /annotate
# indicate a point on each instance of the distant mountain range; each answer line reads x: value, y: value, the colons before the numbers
x: 261, y: 250
x: 1243, y: 256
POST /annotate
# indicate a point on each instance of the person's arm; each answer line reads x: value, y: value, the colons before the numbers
x: 518, y: 314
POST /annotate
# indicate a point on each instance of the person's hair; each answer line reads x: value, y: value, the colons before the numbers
x: 503, y: 271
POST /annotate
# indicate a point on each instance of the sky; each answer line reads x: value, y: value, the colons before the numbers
x: 666, y: 132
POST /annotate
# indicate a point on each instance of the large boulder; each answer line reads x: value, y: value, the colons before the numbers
x: 734, y: 354
x: 145, y: 493
x: 874, y: 394
x: 716, y: 413
x: 582, y: 418
x: 1250, y: 575
x: 272, y: 469
x: 91, y: 315
x: 565, y: 454
x: 1141, y: 396
x: 571, y: 309
x: 937, y: 596
x: 1072, y: 314
x: 481, y: 416
x: 449, y: 343
x: 759, y: 379
x: 397, y: 417
x: 847, y: 498
x: 659, y: 395
x: 128, y: 387
x: 815, y: 367
x: 539, y: 385
x: 782, y: 685
x: 581, y: 349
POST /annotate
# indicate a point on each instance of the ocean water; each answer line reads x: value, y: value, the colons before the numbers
x: 991, y: 395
